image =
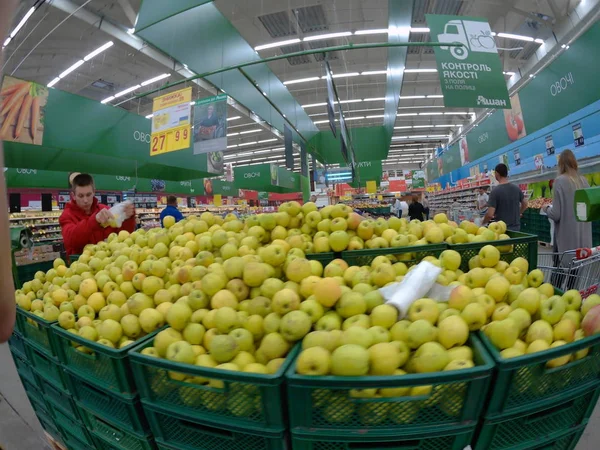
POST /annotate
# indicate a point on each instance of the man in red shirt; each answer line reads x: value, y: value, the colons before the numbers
x: 84, y: 220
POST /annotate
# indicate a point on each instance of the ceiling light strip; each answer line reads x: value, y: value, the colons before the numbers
x: 79, y: 63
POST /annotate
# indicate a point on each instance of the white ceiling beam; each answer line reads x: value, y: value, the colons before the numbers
x: 128, y: 10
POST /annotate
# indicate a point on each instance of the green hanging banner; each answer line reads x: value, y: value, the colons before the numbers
x: 267, y: 178
x: 470, y: 75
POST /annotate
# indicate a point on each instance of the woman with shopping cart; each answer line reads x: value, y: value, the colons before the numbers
x: 569, y: 234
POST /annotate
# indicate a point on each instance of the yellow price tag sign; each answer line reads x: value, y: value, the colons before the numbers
x: 218, y: 201
x: 371, y: 187
x: 380, y: 197
x: 170, y: 140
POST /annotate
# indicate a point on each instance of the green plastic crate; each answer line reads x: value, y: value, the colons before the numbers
x: 324, y: 258
x: 47, y: 367
x: 236, y: 398
x: 36, y: 331
x: 108, y: 436
x: 106, y: 367
x: 525, y: 383
x: 33, y: 393
x: 47, y: 423
x: 27, y: 272
x: 524, y: 431
x: 327, y: 404
x: 17, y: 345
x: 179, y: 432
x: 72, y: 443
x: 124, y: 411
x: 523, y: 245
x: 70, y: 427
x: 409, y: 255
x: 25, y: 370
x: 456, y: 439
x: 59, y: 398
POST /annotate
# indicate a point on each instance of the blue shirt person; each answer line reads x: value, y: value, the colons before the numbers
x: 170, y: 210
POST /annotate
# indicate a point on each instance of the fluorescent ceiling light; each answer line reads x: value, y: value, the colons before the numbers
x: 53, y: 82
x: 327, y: 36
x: 312, y: 105
x: 71, y: 69
x: 375, y: 116
x: 232, y: 146
x: 403, y: 127
x: 374, y: 99
x: 517, y: 37
x: 301, y: 80
x: 420, y: 70
x: 431, y: 113
x: 128, y: 90
x: 246, y: 143
x: 233, y: 118
x: 321, y: 121
x: 345, y: 75
x: 354, y: 118
x: 420, y: 107
x: 277, y: 44
x: 8, y: 39
x: 149, y: 116
x: 250, y: 131
x: 422, y: 126
x: 131, y: 31
x: 155, y: 79
x: 447, y: 125
x: 374, y: 31
x: 435, y: 96
x: 374, y: 72
x: 508, y: 73
x: 356, y: 100
x: 99, y: 50
x: 419, y: 30
x: 106, y: 100
x: 437, y: 136
x: 232, y: 134
x: 318, y: 114
x: 407, y: 97
x: 407, y: 114
x: 267, y: 140
x: 22, y: 22
x: 456, y: 113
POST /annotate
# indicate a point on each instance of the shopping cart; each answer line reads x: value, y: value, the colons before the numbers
x: 574, y: 269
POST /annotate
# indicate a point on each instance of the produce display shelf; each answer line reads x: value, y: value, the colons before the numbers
x: 232, y: 398
x: 409, y: 255
x: 524, y: 383
x: 179, y: 432
x: 520, y: 245
x: 125, y: 412
x: 104, y: 366
x: 321, y: 405
x: 457, y: 438
x: 27, y: 272
x: 528, y: 430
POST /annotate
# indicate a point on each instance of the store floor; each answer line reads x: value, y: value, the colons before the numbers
x: 20, y: 429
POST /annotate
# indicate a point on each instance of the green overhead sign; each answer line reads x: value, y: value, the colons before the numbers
x: 470, y: 75
x: 267, y: 178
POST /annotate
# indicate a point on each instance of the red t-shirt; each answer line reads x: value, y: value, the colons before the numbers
x: 80, y: 229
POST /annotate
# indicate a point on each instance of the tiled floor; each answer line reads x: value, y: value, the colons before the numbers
x: 20, y: 429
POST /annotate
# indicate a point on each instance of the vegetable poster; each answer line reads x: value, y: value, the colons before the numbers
x: 513, y: 119
x: 22, y: 105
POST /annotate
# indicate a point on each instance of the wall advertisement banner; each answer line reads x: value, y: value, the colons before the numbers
x: 22, y: 111
x: 171, y: 119
x: 471, y: 74
x: 418, y: 179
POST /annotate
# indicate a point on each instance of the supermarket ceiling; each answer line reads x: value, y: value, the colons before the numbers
x: 60, y: 33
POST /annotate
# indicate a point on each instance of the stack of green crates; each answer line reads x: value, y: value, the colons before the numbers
x: 534, y: 406
x: 424, y: 411
x: 535, y: 223
x: 191, y: 407
x: 105, y: 394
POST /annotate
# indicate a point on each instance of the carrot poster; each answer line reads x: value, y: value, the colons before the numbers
x: 22, y: 105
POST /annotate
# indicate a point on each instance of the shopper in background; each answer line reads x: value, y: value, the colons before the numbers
x: 85, y: 221
x: 569, y: 234
x: 404, y: 209
x: 426, y: 206
x: 415, y: 209
x: 506, y: 201
x: 398, y: 208
x: 170, y: 210
x: 7, y: 288
x: 482, y: 201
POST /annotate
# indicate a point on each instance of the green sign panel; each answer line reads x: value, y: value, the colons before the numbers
x: 470, y: 75
x: 418, y: 179
x: 266, y: 178
x: 224, y: 188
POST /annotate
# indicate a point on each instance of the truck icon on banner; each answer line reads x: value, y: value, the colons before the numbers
x: 474, y: 36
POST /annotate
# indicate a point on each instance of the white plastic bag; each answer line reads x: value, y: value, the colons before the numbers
x: 416, y: 284
x: 118, y: 213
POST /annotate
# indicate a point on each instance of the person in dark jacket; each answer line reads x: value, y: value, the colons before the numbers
x: 171, y: 210
x: 416, y: 210
x: 85, y: 221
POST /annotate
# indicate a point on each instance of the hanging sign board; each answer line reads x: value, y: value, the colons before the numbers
x: 371, y: 187
x: 210, y: 124
x: 171, y: 119
x: 470, y: 75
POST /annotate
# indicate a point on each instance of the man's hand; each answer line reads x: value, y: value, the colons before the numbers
x: 103, y: 217
x: 129, y: 210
